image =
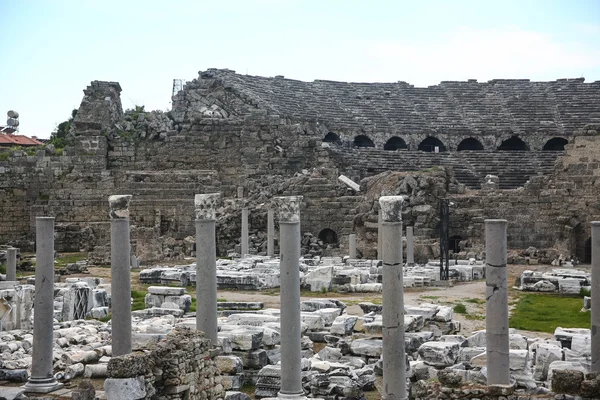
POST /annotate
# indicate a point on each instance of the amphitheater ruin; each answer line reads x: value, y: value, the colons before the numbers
x: 247, y: 180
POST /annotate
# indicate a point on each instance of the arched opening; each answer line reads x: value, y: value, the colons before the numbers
x: 454, y: 243
x: 581, y: 243
x: 328, y: 236
x: 514, y: 143
x: 395, y: 143
x: 555, y: 144
x: 430, y: 143
x: 363, y: 141
x: 332, y: 138
x: 470, y: 144
x: 587, y: 252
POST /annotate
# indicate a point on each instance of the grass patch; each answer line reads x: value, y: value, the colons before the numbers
x: 221, y: 300
x: 475, y: 301
x: 430, y: 297
x: 69, y: 258
x: 544, y: 313
x: 139, y: 302
x: 2, y: 268
x: 460, y: 309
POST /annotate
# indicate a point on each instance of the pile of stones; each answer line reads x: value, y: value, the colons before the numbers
x: 561, y: 280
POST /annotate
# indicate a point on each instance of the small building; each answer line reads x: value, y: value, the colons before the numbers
x: 9, y: 139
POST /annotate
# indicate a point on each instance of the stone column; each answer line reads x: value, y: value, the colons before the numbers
x: 206, y: 265
x: 11, y: 264
x: 496, y: 293
x: 352, y: 245
x: 244, y: 240
x: 410, y: 243
x: 120, y: 270
x: 595, y: 296
x: 379, y: 237
x: 394, y: 357
x: 289, y: 242
x: 270, y: 233
x: 42, y: 379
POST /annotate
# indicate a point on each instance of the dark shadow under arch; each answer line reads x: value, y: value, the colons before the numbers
x: 430, y: 143
x: 514, y: 143
x: 469, y: 144
x: 363, y: 141
x: 555, y: 144
x: 454, y: 243
x: 395, y: 143
x: 587, y: 252
x: 328, y: 236
x: 332, y: 138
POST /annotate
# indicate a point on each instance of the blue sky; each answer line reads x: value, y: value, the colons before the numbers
x: 52, y: 49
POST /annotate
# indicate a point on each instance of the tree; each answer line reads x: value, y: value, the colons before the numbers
x: 62, y: 130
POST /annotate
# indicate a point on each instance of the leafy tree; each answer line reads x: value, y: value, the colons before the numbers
x: 62, y: 130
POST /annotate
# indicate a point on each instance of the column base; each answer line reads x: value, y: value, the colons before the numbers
x: 299, y: 396
x: 42, y: 385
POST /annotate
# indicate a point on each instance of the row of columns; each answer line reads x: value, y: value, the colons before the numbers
x: 394, y: 358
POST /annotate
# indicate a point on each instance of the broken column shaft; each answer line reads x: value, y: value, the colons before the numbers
x: 352, y: 245
x: 11, y: 264
x: 270, y: 233
x: 206, y: 265
x: 410, y: 243
x: 394, y: 358
x: 595, y: 296
x: 244, y: 239
x: 496, y: 293
x: 291, y: 355
x: 120, y: 270
x: 42, y: 379
x: 379, y: 237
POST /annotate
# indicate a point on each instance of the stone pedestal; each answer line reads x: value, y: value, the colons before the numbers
x: 496, y: 321
x: 11, y: 264
x: 42, y: 379
x: 244, y: 238
x: 595, y: 310
x: 120, y: 269
x: 352, y: 245
x: 270, y: 232
x: 206, y: 266
x: 394, y: 357
x: 291, y: 356
x: 410, y: 246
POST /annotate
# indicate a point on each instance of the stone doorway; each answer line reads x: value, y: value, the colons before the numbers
x: 454, y: 243
x: 587, y: 252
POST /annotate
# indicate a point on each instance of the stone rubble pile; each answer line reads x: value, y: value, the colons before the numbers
x: 567, y: 281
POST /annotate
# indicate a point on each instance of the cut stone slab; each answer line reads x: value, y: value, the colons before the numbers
x: 367, y: 347
x: 439, y: 354
x: 125, y: 388
x: 166, y: 290
x: 343, y: 325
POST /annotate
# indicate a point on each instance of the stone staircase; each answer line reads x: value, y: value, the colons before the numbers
x: 514, y: 168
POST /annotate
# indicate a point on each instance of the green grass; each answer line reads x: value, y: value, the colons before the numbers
x: 2, y: 268
x: 475, y: 301
x: 544, y: 313
x: 139, y: 302
x: 460, y: 309
x: 430, y: 297
x: 69, y: 258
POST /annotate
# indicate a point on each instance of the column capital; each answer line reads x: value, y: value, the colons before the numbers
x: 288, y: 207
x: 205, y: 205
x: 391, y: 208
x: 119, y: 206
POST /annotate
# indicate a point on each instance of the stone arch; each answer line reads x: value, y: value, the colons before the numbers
x: 363, y: 141
x: 429, y: 143
x: 470, y: 144
x: 555, y: 144
x: 395, y: 143
x: 514, y: 143
x: 454, y: 243
x: 332, y: 137
x: 328, y: 236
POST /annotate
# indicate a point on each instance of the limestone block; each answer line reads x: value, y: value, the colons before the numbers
x: 439, y: 354
x: 252, y: 359
x: 465, y: 354
x: 444, y: 314
x: 319, y: 279
x: 243, y: 339
x: 559, y: 365
x: 314, y: 321
x: 367, y: 347
x: 125, y: 388
x: 251, y: 319
x: 233, y: 395
x: 166, y: 290
x: 545, y: 354
x: 329, y: 314
x: 229, y: 364
x: 343, y: 325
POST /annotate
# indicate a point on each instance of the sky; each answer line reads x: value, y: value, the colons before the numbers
x: 52, y: 49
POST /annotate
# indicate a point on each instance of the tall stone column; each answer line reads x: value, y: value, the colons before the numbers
x: 206, y: 265
x: 496, y: 293
x: 270, y: 232
x: 120, y: 270
x: 244, y: 240
x: 289, y: 243
x: 410, y: 243
x: 352, y: 245
x: 42, y: 379
x: 379, y: 237
x: 11, y: 264
x: 394, y: 357
x: 596, y: 296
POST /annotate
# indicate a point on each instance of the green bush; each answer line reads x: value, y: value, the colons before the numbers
x: 2, y: 268
x: 585, y: 292
x: 460, y: 309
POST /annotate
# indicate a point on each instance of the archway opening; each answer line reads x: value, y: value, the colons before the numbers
x: 328, y: 236
x: 332, y: 138
x: 363, y: 141
x: 395, y: 143
x: 587, y: 252
x: 454, y: 243
x: 470, y: 144
x: 514, y: 143
x: 430, y: 143
x: 581, y: 243
x: 555, y: 144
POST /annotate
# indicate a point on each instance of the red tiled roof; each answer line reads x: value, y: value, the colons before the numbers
x: 18, y: 140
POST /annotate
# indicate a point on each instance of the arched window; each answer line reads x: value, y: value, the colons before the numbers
x: 395, y: 143
x: 555, y: 144
x: 363, y: 141
x: 332, y: 138
x: 470, y: 144
x: 514, y: 143
x: 430, y: 143
x: 328, y: 236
